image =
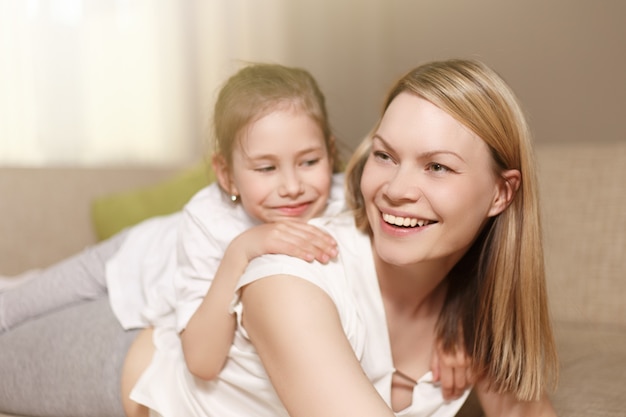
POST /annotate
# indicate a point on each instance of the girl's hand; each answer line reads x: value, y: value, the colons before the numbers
x: 291, y: 238
x: 453, y: 370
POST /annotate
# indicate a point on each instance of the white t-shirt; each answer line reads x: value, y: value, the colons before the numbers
x: 146, y: 280
x: 211, y: 221
x: 243, y: 387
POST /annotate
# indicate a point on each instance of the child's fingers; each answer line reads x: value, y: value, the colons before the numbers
x: 309, y: 252
x: 460, y: 382
x: 434, y: 366
x: 305, y: 241
x: 318, y: 250
x: 454, y: 373
x: 462, y: 370
x: 447, y: 382
x: 453, y: 383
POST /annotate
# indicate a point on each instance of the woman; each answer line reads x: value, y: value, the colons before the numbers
x: 443, y: 246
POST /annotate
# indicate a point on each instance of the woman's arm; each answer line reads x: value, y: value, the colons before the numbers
x: 496, y: 405
x: 297, y: 332
x: 209, y: 333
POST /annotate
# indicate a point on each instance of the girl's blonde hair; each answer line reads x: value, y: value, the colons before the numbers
x: 259, y: 89
x: 496, y: 307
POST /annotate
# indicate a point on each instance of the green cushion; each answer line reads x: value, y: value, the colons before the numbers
x: 112, y: 213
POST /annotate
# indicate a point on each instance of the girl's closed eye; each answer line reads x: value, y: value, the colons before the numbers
x: 265, y: 168
x: 311, y: 162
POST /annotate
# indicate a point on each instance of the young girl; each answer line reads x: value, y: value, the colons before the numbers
x: 273, y: 158
x: 443, y: 245
x: 286, y: 179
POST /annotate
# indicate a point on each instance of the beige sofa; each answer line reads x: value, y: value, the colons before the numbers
x: 45, y: 216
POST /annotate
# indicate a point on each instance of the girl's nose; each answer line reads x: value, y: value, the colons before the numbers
x: 291, y: 185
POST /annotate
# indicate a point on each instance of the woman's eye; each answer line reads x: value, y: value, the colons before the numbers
x: 435, y: 167
x: 381, y: 155
x: 265, y: 169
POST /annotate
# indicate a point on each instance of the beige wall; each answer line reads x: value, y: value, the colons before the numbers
x: 565, y: 58
x: 146, y: 95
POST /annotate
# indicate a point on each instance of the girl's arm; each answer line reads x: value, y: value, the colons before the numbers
x: 453, y: 371
x: 209, y: 333
x: 297, y: 332
x: 495, y: 405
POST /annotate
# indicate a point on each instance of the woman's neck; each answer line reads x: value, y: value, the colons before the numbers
x: 412, y: 290
x: 413, y: 298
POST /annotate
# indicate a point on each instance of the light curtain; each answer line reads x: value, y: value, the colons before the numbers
x: 109, y: 82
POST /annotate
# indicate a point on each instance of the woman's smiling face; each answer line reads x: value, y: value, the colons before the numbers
x: 428, y: 184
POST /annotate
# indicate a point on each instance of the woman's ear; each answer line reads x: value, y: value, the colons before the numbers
x: 507, y: 187
x: 222, y: 173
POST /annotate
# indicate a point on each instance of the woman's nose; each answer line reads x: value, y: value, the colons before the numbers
x: 403, y: 185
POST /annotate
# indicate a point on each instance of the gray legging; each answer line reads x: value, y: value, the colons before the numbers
x: 64, y: 351
x: 67, y: 363
x: 76, y: 279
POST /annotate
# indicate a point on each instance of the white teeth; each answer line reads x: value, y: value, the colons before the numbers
x: 404, y: 221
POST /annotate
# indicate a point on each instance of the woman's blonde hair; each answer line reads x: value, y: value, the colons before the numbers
x: 259, y: 89
x: 496, y: 307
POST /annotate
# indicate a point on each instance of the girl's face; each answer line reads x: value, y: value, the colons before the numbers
x: 428, y: 185
x: 281, y: 168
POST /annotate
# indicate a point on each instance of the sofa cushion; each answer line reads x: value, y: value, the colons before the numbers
x: 592, y: 370
x: 114, y: 212
x: 583, y: 195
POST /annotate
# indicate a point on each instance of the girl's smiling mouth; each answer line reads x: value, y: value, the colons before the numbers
x: 295, y: 209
